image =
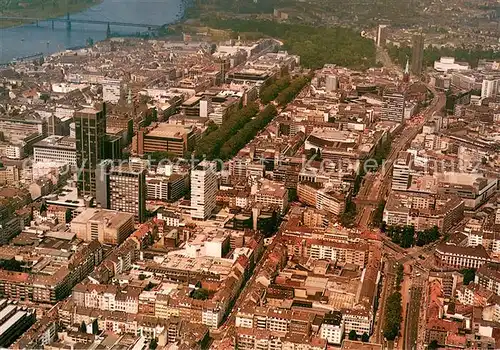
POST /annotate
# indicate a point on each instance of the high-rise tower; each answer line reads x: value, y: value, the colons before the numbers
x: 417, y: 56
x: 203, y: 190
x: 127, y: 186
x: 90, y: 132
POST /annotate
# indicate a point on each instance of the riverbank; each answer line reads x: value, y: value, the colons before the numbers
x: 39, y: 9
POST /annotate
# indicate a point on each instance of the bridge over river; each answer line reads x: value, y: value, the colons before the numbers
x: 68, y: 20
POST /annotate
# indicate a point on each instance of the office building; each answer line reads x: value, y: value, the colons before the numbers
x: 128, y: 191
x: 102, y: 183
x: 164, y: 137
x: 203, y: 190
x: 167, y: 187
x: 18, y: 128
x: 474, y: 189
x: 326, y: 199
x: 417, y: 54
x: 381, y: 35
x: 401, y: 171
x: 90, y: 130
x: 56, y: 149
x: 393, y: 108
x: 106, y: 226
x: 331, y: 83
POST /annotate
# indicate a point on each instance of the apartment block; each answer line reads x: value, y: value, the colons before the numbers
x: 393, y: 108
x: 423, y: 211
x: 448, y: 255
x: 332, y: 328
x: 326, y: 199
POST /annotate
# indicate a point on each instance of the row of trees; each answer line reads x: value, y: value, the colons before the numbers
x: 378, y: 214
x: 432, y: 54
x: 211, y: 144
x: 247, y: 133
x: 348, y: 217
x: 288, y: 94
x: 406, y: 236
x: 270, y: 92
x: 315, y: 45
x: 393, y: 309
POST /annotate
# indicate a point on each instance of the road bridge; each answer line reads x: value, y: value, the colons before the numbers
x: 68, y: 20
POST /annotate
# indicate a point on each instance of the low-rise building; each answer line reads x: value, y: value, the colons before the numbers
x: 56, y: 148
x: 105, y: 226
x: 448, y: 255
x: 423, y: 211
x: 332, y: 328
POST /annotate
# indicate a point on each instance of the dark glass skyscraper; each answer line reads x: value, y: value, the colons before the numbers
x: 417, y: 54
x: 90, y: 130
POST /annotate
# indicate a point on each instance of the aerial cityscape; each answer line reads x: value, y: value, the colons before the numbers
x: 279, y: 175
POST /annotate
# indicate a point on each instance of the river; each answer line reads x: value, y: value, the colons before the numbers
x: 29, y: 39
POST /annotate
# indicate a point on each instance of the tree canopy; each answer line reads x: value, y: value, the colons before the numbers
x: 406, y: 237
x: 210, y: 145
x: 270, y: 92
x: 393, y: 316
x: 248, y: 132
x: 433, y: 53
x: 316, y: 45
x: 469, y: 275
x: 200, y: 294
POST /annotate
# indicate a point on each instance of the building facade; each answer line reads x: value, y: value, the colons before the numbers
x: 90, y: 132
x: 203, y: 190
x: 128, y: 191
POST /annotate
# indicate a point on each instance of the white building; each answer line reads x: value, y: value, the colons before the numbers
x: 357, y: 320
x: 332, y: 328
x: 448, y: 63
x: 55, y: 148
x: 171, y: 219
x: 401, y: 172
x: 381, y: 35
x: 15, y: 151
x: 489, y: 87
x: 203, y: 190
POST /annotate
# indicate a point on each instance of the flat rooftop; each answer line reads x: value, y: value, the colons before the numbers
x: 59, y: 142
x: 112, y: 217
x: 168, y: 130
x: 88, y: 110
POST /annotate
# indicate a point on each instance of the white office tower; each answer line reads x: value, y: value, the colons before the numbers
x: 381, y: 35
x: 489, y: 87
x: 203, y: 190
x: 401, y: 172
x: 206, y: 107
